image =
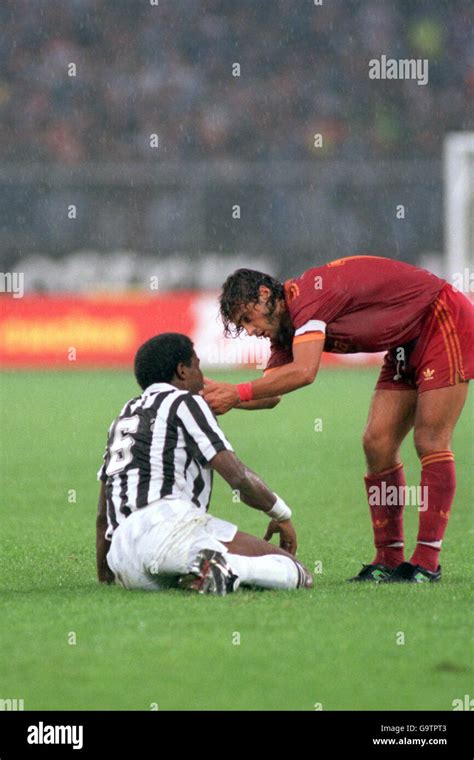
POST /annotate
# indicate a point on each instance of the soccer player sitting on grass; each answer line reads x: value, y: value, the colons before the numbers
x: 153, y: 529
x: 369, y: 303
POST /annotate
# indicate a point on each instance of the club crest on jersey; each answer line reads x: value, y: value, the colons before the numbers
x: 292, y: 290
x: 428, y: 374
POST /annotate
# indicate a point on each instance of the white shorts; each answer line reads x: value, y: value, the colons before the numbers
x: 158, y: 542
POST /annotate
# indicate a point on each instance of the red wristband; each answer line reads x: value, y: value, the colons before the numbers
x: 245, y: 391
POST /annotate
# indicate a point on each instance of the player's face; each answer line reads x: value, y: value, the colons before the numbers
x: 256, y: 319
x: 194, y: 378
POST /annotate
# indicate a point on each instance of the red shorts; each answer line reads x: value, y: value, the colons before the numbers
x: 442, y: 355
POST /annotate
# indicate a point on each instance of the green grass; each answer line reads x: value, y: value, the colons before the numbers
x: 335, y: 645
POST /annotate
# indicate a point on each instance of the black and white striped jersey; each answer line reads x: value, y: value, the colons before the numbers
x: 159, y: 447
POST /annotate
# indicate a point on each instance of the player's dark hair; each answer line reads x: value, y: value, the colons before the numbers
x: 157, y: 359
x: 241, y: 288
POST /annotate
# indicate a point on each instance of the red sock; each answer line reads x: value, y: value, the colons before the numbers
x: 386, y: 510
x: 438, y: 475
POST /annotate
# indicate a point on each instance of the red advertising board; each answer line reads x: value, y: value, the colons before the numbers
x: 98, y: 330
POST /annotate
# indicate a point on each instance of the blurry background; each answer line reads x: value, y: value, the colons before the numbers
x: 167, y: 70
x: 152, y: 240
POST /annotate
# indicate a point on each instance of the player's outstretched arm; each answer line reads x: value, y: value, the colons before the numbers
x: 102, y: 546
x: 253, y: 492
x: 260, y: 403
x: 300, y: 372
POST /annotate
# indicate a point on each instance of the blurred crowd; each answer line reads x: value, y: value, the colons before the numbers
x: 166, y: 69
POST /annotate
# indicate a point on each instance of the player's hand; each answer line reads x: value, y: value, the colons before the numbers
x: 208, y: 383
x: 220, y: 396
x: 287, y: 534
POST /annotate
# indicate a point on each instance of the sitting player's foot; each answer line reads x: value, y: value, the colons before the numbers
x: 305, y: 579
x: 209, y: 573
x: 408, y: 573
x: 374, y: 573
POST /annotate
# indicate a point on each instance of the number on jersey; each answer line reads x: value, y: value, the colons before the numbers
x: 121, y: 445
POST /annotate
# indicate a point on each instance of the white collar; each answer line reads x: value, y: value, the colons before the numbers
x: 159, y: 388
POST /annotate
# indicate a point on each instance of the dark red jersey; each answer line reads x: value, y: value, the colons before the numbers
x: 360, y: 303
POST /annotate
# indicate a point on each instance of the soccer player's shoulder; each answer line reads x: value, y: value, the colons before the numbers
x: 193, y: 409
x: 299, y: 287
x: 194, y: 402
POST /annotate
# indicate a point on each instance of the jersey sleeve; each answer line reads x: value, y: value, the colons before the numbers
x: 201, y: 427
x: 313, y: 329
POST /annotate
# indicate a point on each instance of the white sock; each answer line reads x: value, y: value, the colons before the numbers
x: 269, y: 571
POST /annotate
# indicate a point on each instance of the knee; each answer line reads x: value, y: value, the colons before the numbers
x: 377, y: 443
x: 428, y: 439
x: 381, y: 450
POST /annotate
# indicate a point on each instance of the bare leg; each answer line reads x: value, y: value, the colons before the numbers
x: 251, y: 546
x: 391, y: 417
x: 437, y: 413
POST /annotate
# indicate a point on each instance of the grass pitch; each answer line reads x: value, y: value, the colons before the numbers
x: 67, y: 643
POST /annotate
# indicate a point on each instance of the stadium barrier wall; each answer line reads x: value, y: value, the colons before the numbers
x: 102, y: 330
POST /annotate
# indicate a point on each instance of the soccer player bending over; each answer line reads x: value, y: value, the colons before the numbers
x: 369, y: 303
x: 153, y: 529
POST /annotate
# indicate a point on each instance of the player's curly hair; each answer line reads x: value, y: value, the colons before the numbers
x: 242, y: 287
x: 157, y: 359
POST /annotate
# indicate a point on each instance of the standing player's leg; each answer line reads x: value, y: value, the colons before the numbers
x: 391, y: 417
x: 443, y: 363
x: 436, y: 416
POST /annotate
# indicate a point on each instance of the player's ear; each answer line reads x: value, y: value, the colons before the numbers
x: 181, y: 371
x: 264, y: 293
